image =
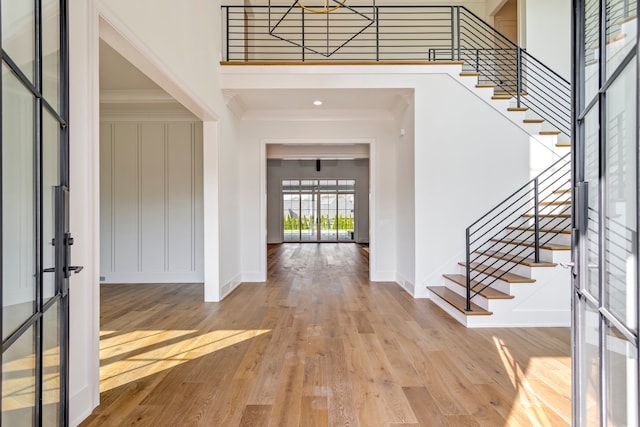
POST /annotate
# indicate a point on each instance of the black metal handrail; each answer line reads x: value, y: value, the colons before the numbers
x: 399, y: 33
x: 517, y: 228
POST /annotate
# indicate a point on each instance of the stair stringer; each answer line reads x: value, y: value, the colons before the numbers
x: 545, y: 303
x: 516, y: 117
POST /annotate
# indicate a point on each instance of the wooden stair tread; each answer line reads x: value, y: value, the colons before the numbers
x: 549, y: 132
x: 458, y: 302
x: 517, y: 109
x: 528, y: 262
x: 563, y: 145
x: 485, y: 86
x: 502, y: 92
x: 497, y: 273
x: 562, y: 191
x: 530, y: 215
x: 488, y: 293
x: 556, y: 203
x: 469, y: 74
x: 501, y: 97
x: 542, y: 230
x: 533, y: 121
x: 548, y: 246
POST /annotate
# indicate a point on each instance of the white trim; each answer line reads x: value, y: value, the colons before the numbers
x: 148, y: 96
x: 253, y: 277
x: 229, y: 287
x: 120, y: 37
x: 407, y: 285
x: 169, y: 114
x: 211, y: 225
x: 334, y: 115
x: 84, y: 300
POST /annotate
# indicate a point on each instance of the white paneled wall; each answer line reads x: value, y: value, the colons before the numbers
x: 151, y: 213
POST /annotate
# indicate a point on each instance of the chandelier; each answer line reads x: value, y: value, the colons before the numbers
x: 325, y: 9
x: 320, y: 29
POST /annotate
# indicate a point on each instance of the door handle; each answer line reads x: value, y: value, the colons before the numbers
x: 75, y: 268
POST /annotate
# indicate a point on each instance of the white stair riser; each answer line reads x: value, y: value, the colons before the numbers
x: 544, y: 303
x: 546, y: 255
x: 519, y: 235
x: 462, y: 291
x: 550, y: 222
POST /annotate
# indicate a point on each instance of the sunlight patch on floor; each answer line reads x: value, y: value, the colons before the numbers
x: 526, y: 385
x: 137, y: 354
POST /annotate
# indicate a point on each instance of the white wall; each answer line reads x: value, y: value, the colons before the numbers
x: 184, y: 61
x: 468, y: 157
x: 255, y: 135
x: 151, y: 202
x: 463, y: 151
x: 84, y: 206
x: 548, y: 33
x: 178, y: 48
x: 405, y: 194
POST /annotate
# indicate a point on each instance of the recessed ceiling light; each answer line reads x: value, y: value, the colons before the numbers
x: 317, y: 103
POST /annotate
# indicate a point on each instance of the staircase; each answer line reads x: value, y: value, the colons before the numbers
x: 512, y: 274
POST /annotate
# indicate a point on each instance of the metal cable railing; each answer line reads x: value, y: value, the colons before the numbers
x: 399, y: 33
x: 516, y: 229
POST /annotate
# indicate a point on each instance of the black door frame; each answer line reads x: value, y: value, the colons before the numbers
x: 62, y: 241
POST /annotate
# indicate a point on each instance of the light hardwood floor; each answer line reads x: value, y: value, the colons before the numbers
x: 319, y: 345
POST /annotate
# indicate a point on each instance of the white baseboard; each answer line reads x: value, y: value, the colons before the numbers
x: 254, y: 276
x: 81, y: 406
x: 228, y: 287
x: 407, y: 285
x: 383, y: 276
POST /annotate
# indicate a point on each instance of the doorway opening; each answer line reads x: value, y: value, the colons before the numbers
x: 318, y: 210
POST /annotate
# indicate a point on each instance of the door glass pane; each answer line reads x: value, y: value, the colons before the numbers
x: 291, y: 215
x: 51, y: 367
x: 18, y: 203
x: 328, y: 216
x: 591, y: 48
x: 18, y: 34
x: 621, y: 371
x: 592, y: 165
x: 621, y: 207
x: 621, y: 31
x: 50, y: 179
x: 345, y: 216
x: 589, y: 364
x: 19, y: 381
x: 307, y: 216
x: 51, y: 52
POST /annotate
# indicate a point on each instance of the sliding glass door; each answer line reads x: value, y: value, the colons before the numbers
x: 606, y: 214
x: 318, y: 210
x: 33, y: 212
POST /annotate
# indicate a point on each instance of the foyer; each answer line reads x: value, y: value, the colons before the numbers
x: 319, y: 345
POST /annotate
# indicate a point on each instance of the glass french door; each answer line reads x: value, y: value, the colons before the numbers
x: 33, y: 212
x: 606, y: 160
x: 318, y: 210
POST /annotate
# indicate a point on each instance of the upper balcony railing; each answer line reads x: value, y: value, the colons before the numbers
x: 398, y: 33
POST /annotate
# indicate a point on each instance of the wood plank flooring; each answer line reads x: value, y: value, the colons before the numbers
x: 319, y: 345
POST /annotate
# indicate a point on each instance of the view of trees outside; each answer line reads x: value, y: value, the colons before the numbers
x: 318, y: 210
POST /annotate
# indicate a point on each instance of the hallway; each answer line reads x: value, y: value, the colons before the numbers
x: 319, y: 345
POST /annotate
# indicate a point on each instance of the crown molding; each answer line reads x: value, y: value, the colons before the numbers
x: 147, y: 96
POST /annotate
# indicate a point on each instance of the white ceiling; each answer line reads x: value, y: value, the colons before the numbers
x: 116, y: 73
x: 126, y: 91
x: 122, y: 83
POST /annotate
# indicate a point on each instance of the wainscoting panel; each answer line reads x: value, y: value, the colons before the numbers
x: 151, y: 202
